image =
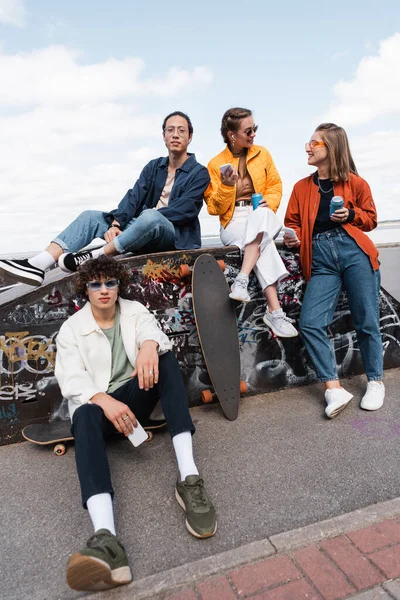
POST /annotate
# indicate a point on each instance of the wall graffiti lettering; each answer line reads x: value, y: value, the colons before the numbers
x: 9, y: 413
x: 20, y: 351
x: 25, y: 392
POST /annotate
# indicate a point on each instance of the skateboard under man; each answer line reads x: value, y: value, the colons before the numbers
x: 215, y: 317
x: 59, y: 433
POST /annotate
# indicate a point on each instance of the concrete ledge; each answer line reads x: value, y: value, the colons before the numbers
x: 335, y: 526
x: 190, y: 573
x: 167, y: 581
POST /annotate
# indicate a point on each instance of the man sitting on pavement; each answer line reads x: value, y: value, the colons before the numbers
x: 113, y: 365
x: 173, y: 186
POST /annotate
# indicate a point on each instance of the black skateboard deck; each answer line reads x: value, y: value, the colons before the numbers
x: 215, y: 317
x: 59, y: 433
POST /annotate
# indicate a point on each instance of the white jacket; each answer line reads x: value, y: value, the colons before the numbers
x: 83, y: 360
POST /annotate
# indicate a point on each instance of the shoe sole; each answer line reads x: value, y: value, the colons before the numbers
x: 188, y: 526
x: 90, y: 574
x: 276, y: 332
x: 239, y: 299
x: 370, y: 408
x: 14, y: 274
x: 63, y: 268
x: 338, y: 410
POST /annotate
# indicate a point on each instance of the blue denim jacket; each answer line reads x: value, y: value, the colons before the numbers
x: 185, y: 201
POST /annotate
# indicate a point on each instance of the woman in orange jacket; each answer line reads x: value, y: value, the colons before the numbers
x: 236, y: 173
x: 335, y: 253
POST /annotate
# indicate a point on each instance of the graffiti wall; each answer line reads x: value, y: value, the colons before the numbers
x: 31, y: 318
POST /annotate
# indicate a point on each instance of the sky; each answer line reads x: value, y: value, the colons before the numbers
x: 84, y: 87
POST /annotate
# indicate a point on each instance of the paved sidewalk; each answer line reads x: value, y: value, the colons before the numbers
x: 352, y: 556
x: 362, y: 564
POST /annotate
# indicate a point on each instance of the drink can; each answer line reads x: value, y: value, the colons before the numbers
x: 255, y: 200
x: 336, y: 203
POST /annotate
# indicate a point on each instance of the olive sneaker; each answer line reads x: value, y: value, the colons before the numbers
x: 102, y: 565
x: 200, y: 514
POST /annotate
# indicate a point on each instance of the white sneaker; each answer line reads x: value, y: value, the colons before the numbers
x: 239, y: 289
x: 280, y: 324
x: 374, y: 396
x: 337, y: 399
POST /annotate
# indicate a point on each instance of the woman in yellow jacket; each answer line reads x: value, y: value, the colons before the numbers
x: 239, y: 171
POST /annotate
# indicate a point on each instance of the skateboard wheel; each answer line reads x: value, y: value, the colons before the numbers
x: 222, y: 264
x: 243, y: 387
x: 59, y: 450
x: 184, y: 270
x: 149, y: 436
x: 206, y: 396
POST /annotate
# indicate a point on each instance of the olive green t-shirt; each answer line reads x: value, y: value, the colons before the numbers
x: 121, y: 368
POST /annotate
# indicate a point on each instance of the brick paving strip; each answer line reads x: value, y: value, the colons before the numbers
x: 356, y: 555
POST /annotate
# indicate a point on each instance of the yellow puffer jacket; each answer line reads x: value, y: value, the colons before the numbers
x: 221, y: 198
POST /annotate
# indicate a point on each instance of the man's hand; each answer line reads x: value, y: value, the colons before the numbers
x: 117, y: 412
x: 230, y: 177
x: 291, y: 242
x: 111, y: 233
x: 146, y: 367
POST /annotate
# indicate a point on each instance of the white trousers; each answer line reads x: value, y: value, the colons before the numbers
x: 244, y: 227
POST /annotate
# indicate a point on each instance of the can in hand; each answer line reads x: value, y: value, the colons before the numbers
x: 336, y: 203
x: 255, y: 200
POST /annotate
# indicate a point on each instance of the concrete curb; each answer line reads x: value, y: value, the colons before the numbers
x: 166, y: 581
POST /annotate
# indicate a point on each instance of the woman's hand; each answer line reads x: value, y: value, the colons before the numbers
x: 229, y: 177
x: 341, y: 215
x: 146, y: 366
x: 117, y: 412
x: 290, y: 241
x: 263, y: 203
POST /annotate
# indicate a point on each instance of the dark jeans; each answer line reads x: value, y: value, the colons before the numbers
x: 90, y: 427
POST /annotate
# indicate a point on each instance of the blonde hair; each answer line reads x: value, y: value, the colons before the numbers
x: 337, y: 145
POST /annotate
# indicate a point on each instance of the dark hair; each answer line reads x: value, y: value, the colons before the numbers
x: 104, y: 267
x: 178, y: 113
x: 231, y: 120
x: 337, y: 144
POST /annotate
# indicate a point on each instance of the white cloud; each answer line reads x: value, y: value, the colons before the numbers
x: 373, y: 92
x: 75, y: 136
x: 12, y: 12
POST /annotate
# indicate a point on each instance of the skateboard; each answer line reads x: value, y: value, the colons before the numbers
x: 216, y: 323
x: 59, y: 433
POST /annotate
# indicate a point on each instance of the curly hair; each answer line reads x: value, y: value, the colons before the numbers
x: 103, y: 267
x: 231, y: 120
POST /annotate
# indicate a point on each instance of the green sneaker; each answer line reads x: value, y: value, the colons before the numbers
x: 200, y: 513
x: 103, y: 564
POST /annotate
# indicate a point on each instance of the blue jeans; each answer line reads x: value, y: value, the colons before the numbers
x: 149, y: 232
x: 338, y: 261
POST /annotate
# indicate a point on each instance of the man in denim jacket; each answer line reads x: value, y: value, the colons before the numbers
x: 159, y: 213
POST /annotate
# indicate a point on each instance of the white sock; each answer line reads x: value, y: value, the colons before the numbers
x: 101, y: 512
x: 184, y: 454
x: 44, y: 260
x: 98, y: 252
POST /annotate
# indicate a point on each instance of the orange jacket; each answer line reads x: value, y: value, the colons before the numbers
x: 221, y: 198
x: 303, y: 208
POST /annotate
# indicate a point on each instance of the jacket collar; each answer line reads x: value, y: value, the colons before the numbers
x: 251, y: 153
x: 187, y: 165
x: 87, y: 323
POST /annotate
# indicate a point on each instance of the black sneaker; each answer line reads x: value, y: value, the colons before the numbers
x: 21, y: 271
x: 102, y: 565
x: 70, y: 261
